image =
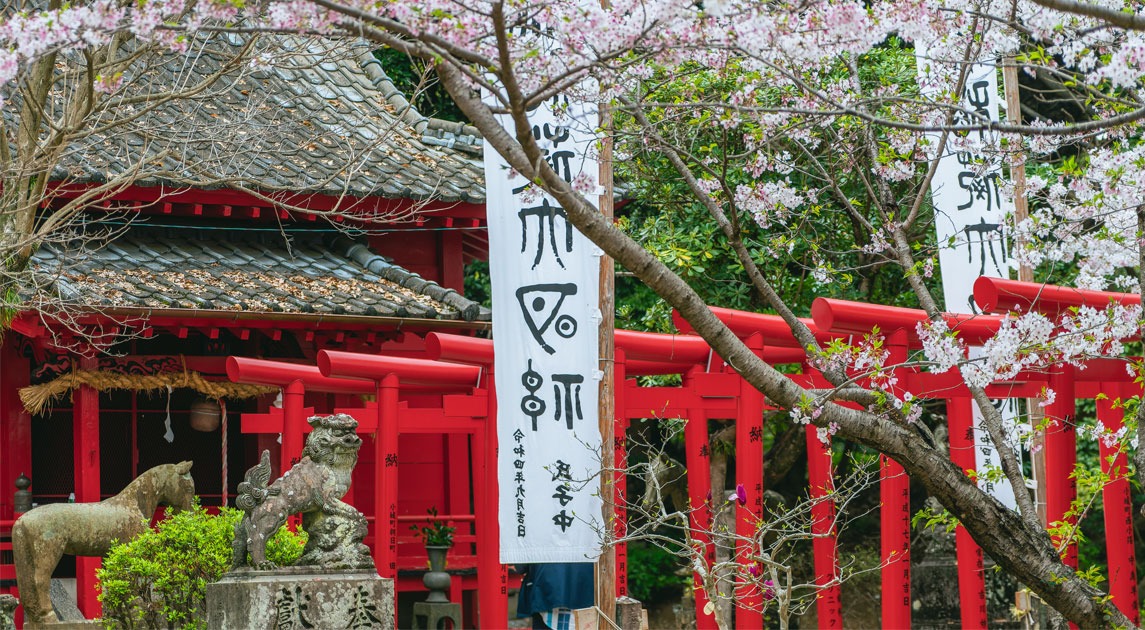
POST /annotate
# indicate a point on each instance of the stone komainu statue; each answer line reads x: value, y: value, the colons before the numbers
x: 41, y: 536
x: 313, y: 487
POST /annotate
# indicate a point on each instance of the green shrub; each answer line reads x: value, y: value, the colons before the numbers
x: 654, y: 574
x: 159, y: 579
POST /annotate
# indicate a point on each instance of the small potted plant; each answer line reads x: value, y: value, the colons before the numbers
x: 438, y: 538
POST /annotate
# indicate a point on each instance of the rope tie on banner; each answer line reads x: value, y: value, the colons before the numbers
x: 39, y: 398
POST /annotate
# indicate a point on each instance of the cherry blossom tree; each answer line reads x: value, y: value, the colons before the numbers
x: 818, y: 133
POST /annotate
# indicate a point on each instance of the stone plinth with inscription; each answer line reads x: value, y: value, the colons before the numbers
x: 300, y: 597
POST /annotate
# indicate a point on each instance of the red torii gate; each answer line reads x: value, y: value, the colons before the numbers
x: 1107, y: 377
x: 716, y: 392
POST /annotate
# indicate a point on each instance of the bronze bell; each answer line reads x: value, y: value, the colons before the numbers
x: 205, y: 415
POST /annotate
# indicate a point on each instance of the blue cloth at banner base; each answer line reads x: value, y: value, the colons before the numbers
x: 555, y: 585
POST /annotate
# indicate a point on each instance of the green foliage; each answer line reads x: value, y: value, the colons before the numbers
x: 159, y: 579
x: 929, y: 518
x: 826, y: 247
x: 436, y: 533
x: 654, y: 573
x: 419, y: 84
x: 477, y: 285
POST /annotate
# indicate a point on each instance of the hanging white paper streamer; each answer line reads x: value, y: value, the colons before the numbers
x: 170, y: 434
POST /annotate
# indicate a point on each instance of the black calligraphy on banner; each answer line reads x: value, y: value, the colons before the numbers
x: 571, y: 397
x: 546, y: 214
x: 519, y: 479
x: 980, y: 187
x: 541, y: 306
x: 988, y: 234
x: 562, y: 474
x: 566, y: 397
x: 531, y: 404
x: 540, y: 262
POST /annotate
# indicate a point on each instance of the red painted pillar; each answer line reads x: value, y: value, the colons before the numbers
x: 85, y: 433
x: 493, y: 577
x: 749, y: 472
x: 15, y: 423
x: 1061, y: 452
x: 828, y: 603
x: 1118, y: 510
x: 293, y: 425
x: 698, y: 460
x: 971, y: 571
x: 386, y: 483
x: 894, y: 519
x: 620, y: 482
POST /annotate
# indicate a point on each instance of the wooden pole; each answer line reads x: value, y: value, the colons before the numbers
x: 1025, y: 274
x: 829, y: 602
x: 697, y: 459
x: 749, y: 472
x: 971, y: 570
x: 85, y: 418
x: 1118, y: 511
x: 894, y: 521
x: 386, y: 481
x: 606, y: 564
x: 620, y: 511
x: 1061, y: 453
x: 492, y: 599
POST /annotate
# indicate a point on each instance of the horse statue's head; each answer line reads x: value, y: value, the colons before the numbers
x: 175, y: 486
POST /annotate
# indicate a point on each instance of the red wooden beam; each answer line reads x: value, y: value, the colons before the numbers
x: 894, y: 517
x: 697, y: 457
x: 829, y: 601
x: 971, y: 570
x: 620, y: 479
x: 749, y: 473
x: 85, y: 432
x: 386, y: 480
x: 1117, y: 505
x: 294, y: 413
x: 492, y: 593
x: 1061, y: 453
x: 29, y: 325
x: 858, y: 318
x: 459, y: 348
x: 353, y: 365
x: 775, y: 331
x: 280, y: 374
x: 645, y: 346
x: 996, y: 295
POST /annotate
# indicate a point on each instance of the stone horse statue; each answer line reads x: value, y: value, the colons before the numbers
x: 40, y: 537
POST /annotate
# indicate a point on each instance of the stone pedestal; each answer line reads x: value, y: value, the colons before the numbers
x: 300, y: 597
x: 630, y: 615
x: 432, y: 615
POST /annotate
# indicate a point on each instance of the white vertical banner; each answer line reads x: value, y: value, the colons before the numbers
x: 970, y: 211
x: 546, y: 326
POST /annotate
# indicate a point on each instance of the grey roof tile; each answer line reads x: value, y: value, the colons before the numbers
x: 240, y: 270
x: 331, y: 96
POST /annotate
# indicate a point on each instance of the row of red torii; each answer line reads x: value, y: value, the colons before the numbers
x: 456, y: 370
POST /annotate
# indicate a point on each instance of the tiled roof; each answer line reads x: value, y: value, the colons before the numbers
x: 229, y: 270
x: 317, y: 116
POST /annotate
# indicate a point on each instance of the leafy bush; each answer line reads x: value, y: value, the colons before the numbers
x: 654, y: 573
x: 159, y: 579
